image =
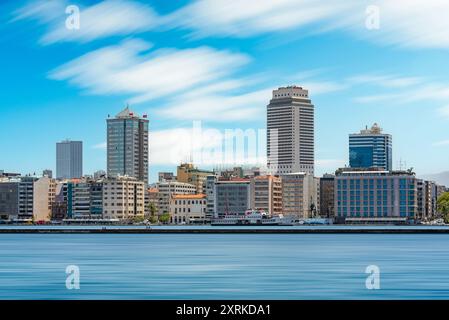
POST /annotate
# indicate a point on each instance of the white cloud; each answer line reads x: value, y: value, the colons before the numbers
x: 432, y: 91
x: 104, y: 19
x: 407, y: 23
x: 247, y: 18
x: 123, y: 69
x: 387, y: 81
x: 413, y: 23
x: 410, y: 23
x: 100, y: 146
x: 441, y: 143
x: 216, y: 106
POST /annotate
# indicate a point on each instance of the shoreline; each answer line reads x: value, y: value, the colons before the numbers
x: 237, y: 230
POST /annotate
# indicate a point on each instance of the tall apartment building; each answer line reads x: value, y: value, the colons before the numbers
x: 123, y: 198
x: 300, y: 195
x: 127, y: 146
x: 188, y: 173
x: 69, y: 159
x: 43, y: 198
x: 427, y: 195
x: 232, y: 197
x: 371, y: 149
x: 290, y: 131
x: 169, y: 188
x: 373, y: 195
x: 266, y: 194
x: 327, y: 196
x: 26, y: 197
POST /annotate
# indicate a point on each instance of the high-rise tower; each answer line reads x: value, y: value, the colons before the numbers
x: 290, y: 136
x: 69, y: 159
x: 127, y: 145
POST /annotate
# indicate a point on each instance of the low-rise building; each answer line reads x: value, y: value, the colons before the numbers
x: 232, y: 197
x: 9, y: 200
x: 266, y: 194
x: 123, y: 198
x: 188, y: 208
x: 375, y: 196
x: 299, y: 195
x: 167, y: 189
x: 327, y: 196
x: 188, y: 173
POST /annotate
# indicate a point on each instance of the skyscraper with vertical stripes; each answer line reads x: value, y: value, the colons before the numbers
x: 127, y: 145
x: 290, y: 131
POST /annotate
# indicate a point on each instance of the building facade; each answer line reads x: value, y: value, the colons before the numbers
x: 123, y: 198
x: 169, y: 188
x: 43, y: 197
x: 290, y: 131
x: 9, y: 200
x: 188, y: 173
x: 375, y: 195
x: 69, y: 159
x: 210, y: 196
x: 266, y: 194
x: 166, y: 176
x: 232, y: 197
x: 188, y: 208
x: 26, y: 198
x: 300, y: 195
x: 127, y: 146
x: 371, y: 149
x: 327, y: 196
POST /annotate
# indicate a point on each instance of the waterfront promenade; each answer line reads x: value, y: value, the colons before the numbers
x: 226, y: 230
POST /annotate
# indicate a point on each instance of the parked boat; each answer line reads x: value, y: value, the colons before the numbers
x: 251, y: 218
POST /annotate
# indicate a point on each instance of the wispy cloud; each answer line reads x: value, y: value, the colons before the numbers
x: 385, y: 80
x: 100, y: 146
x: 246, y: 18
x: 441, y: 143
x: 217, y: 107
x: 104, y: 19
x: 233, y: 18
x: 127, y: 68
x: 431, y: 91
x: 412, y: 23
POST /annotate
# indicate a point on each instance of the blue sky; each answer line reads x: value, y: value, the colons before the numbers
x: 217, y: 62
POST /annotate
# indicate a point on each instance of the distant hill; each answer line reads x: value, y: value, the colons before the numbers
x: 440, y: 178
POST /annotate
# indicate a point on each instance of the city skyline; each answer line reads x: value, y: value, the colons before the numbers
x: 367, y: 77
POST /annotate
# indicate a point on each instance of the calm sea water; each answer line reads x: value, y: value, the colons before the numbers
x: 224, y: 266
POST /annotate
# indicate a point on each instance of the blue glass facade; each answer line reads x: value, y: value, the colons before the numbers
x: 370, y: 148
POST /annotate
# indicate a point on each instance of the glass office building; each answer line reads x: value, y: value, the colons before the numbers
x: 127, y: 146
x: 370, y: 148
